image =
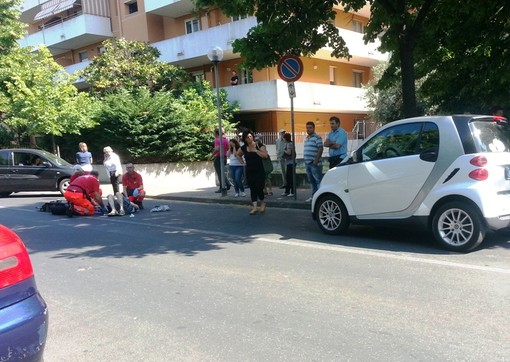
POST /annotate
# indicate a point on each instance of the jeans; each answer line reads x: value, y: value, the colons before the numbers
x: 236, y: 172
x: 314, y: 173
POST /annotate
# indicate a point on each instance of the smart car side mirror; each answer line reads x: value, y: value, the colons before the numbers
x: 45, y: 164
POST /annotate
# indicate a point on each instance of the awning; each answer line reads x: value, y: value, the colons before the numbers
x: 52, y: 7
x: 64, y: 5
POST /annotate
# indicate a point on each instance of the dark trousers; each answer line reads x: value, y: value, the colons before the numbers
x: 217, y: 168
x: 289, y: 177
x: 334, y: 161
x: 114, y: 180
x: 256, y: 183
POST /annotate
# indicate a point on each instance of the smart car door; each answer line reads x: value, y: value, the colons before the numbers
x: 391, y: 172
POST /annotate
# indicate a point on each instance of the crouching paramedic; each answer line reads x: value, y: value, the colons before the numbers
x: 133, y: 185
x: 84, y: 193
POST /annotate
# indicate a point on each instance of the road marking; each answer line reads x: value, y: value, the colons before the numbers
x: 338, y: 248
x: 312, y: 245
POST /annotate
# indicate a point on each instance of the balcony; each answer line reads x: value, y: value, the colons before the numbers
x: 310, y: 97
x: 191, y: 50
x: 169, y: 8
x: 70, y: 33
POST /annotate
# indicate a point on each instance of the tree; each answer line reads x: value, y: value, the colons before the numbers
x: 128, y: 65
x: 466, y: 65
x: 10, y: 28
x: 146, y: 126
x: 38, y: 97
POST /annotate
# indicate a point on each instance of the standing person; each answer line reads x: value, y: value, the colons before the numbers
x: 113, y: 167
x: 268, y: 169
x: 253, y: 153
x: 289, y: 154
x: 133, y: 185
x: 235, y: 79
x: 84, y: 193
x: 280, y: 145
x: 216, y: 157
x: 84, y: 157
x: 236, y: 169
x: 337, y: 142
x: 312, y: 154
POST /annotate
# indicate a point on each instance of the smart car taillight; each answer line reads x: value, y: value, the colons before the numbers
x: 479, y: 161
x: 480, y: 174
x: 15, y: 264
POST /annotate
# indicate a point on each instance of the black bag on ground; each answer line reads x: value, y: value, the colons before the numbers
x: 57, y: 207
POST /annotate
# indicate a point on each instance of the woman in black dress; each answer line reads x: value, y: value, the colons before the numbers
x: 253, y: 153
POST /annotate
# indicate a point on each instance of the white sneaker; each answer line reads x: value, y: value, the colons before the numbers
x: 289, y: 195
x: 236, y: 195
x: 308, y: 199
x: 243, y: 194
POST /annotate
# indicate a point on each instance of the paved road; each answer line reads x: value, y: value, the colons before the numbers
x: 207, y: 282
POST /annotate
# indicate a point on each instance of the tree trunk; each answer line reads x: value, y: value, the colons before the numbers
x: 408, y: 80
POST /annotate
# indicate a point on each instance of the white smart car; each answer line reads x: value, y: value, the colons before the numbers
x: 448, y: 173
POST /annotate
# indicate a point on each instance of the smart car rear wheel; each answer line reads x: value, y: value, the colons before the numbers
x: 62, y: 185
x: 458, y: 226
x: 331, y: 215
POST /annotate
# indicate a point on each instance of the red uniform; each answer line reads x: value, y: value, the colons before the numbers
x: 80, y: 192
x: 133, y: 180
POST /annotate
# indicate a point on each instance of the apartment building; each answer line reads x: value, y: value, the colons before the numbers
x: 73, y: 31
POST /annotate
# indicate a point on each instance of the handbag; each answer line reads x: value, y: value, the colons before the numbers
x: 268, y: 165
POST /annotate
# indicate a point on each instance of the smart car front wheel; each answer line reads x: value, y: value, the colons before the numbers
x: 331, y: 215
x: 457, y: 226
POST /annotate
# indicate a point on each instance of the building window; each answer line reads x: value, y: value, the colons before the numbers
x: 83, y: 56
x: 198, y: 77
x: 357, y: 78
x: 246, y: 76
x: 192, y: 26
x: 332, y: 75
x: 239, y: 17
x: 357, y: 26
x: 132, y: 7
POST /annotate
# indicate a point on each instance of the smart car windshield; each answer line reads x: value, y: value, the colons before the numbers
x: 490, y: 136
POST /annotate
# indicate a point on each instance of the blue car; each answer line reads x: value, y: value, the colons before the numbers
x: 23, y: 312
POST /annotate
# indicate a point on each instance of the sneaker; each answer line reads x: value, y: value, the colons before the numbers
x: 289, y: 195
x: 122, y: 212
x: 113, y: 213
x: 285, y: 194
x: 236, y: 195
x: 243, y: 194
x: 308, y: 199
x: 217, y: 191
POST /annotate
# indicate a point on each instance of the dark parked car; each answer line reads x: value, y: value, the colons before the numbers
x: 32, y: 170
x: 23, y: 312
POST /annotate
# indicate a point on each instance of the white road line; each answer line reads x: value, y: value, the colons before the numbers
x: 312, y: 245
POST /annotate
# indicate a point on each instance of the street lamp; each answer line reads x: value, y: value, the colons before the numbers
x: 215, y: 55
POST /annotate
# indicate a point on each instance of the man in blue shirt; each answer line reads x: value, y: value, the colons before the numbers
x: 312, y: 154
x: 337, y: 142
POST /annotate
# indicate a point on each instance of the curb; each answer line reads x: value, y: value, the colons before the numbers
x: 287, y: 204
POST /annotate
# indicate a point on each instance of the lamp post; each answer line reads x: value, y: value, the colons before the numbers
x: 215, y: 55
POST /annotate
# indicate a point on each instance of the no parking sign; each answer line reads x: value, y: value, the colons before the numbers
x: 290, y: 68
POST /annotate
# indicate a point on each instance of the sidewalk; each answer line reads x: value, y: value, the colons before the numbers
x: 207, y: 195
